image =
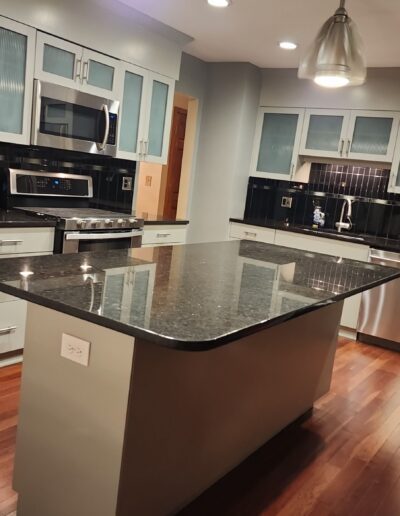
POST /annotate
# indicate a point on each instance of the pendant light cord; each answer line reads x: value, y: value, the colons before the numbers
x: 342, y: 2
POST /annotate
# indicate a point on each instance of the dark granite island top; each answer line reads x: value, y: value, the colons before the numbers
x: 191, y: 297
x: 18, y: 219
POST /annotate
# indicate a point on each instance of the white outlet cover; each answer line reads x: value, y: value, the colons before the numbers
x: 75, y: 349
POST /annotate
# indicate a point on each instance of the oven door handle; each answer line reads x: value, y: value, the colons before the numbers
x: 104, y: 236
x: 102, y: 145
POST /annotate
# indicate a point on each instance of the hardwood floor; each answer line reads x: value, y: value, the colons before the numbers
x: 343, y: 461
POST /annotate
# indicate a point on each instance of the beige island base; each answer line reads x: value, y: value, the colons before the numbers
x: 144, y: 429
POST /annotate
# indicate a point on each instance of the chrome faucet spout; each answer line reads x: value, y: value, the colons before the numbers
x: 341, y: 224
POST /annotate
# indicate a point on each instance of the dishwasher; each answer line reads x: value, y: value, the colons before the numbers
x: 379, y: 320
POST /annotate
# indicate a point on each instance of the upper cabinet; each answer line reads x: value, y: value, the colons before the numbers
x: 358, y: 135
x: 146, y: 113
x: 17, y: 51
x: 277, y: 141
x: 70, y: 65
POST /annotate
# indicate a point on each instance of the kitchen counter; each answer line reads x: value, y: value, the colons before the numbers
x: 18, y: 219
x: 377, y: 242
x: 159, y: 219
x: 192, y: 297
x: 115, y: 402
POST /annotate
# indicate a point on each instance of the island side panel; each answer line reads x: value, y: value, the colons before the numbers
x: 72, y: 418
x: 193, y: 416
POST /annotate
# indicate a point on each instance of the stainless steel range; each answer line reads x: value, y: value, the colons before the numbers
x: 78, y: 228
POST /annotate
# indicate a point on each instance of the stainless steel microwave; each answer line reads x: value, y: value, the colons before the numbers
x: 69, y: 119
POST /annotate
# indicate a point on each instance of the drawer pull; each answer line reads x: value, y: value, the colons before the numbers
x: 250, y: 234
x: 6, y: 331
x: 10, y: 242
x: 163, y: 235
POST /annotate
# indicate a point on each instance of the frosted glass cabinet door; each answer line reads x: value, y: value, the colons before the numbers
x: 17, y: 51
x: 58, y: 61
x: 277, y: 142
x: 161, y: 95
x: 324, y: 132
x: 394, y: 182
x: 372, y: 135
x: 100, y: 75
x: 132, y: 115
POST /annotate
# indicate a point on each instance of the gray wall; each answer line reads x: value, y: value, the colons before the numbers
x: 229, y: 97
x: 105, y: 26
x: 281, y: 87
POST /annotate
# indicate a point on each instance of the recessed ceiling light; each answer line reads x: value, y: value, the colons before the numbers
x: 287, y: 45
x: 220, y: 3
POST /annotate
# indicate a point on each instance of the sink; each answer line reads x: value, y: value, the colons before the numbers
x: 333, y: 234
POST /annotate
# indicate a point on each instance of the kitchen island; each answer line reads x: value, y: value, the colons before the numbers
x: 198, y: 355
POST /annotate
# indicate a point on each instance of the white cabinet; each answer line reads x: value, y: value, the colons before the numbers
x: 17, y: 51
x: 357, y: 135
x: 64, y: 63
x: 247, y: 232
x: 163, y: 235
x: 15, y: 243
x: 336, y: 248
x: 394, y: 182
x: 277, y: 141
x: 146, y: 115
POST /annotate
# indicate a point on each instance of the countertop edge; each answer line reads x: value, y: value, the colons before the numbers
x: 170, y: 342
x: 166, y: 222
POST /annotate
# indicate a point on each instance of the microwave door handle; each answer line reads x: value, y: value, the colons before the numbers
x: 102, y: 145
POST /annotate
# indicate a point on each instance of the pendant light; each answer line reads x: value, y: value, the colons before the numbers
x: 336, y: 57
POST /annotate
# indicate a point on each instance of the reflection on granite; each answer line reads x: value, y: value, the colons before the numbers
x: 377, y: 242
x: 17, y: 219
x: 153, y: 218
x: 191, y: 297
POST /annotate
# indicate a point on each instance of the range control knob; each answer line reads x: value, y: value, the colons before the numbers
x: 108, y: 222
x: 80, y: 223
x: 132, y: 220
x: 94, y: 223
x: 120, y: 222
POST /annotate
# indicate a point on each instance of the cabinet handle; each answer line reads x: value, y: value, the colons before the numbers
x: 6, y: 331
x: 78, y: 69
x: 85, y: 71
x: 348, y: 147
x: 250, y: 234
x: 10, y: 242
x: 163, y: 235
x: 341, y: 147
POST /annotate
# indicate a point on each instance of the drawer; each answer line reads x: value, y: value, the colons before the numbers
x: 26, y: 240
x: 12, y: 325
x: 163, y: 235
x: 246, y: 232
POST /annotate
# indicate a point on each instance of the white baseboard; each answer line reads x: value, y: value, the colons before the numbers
x: 348, y: 333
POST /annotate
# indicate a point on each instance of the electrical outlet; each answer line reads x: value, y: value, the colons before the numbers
x: 286, y: 202
x: 127, y: 183
x: 148, y: 180
x: 75, y: 349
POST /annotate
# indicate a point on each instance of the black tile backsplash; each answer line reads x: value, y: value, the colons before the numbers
x: 107, y: 172
x: 375, y: 211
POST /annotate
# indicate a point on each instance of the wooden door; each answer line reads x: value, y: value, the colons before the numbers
x: 175, y: 162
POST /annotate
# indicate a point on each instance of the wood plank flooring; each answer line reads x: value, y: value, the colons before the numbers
x: 343, y: 461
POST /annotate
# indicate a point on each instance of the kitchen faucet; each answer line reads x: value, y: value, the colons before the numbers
x: 341, y: 224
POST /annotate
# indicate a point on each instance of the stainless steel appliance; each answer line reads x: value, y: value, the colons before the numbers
x: 78, y: 227
x: 379, y: 315
x: 68, y: 119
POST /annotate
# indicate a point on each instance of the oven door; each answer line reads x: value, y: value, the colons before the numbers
x: 81, y: 241
x: 68, y: 119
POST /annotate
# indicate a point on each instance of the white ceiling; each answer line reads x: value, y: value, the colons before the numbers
x: 249, y: 29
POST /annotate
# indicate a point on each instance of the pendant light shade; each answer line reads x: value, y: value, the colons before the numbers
x: 336, y: 57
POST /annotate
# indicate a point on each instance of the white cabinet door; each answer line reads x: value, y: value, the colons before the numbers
x: 12, y: 325
x: 394, y: 182
x: 17, y: 57
x: 133, y: 113
x: 163, y: 235
x: 324, y: 133
x: 160, y: 102
x: 100, y: 75
x: 372, y: 135
x: 277, y: 141
x: 332, y: 247
x: 247, y: 232
x: 58, y: 61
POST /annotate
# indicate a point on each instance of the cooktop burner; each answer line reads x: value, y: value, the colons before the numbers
x: 86, y: 218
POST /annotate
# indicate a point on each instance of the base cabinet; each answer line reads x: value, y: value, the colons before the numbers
x: 159, y: 235
x: 16, y: 243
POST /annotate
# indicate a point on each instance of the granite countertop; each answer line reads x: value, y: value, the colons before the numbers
x: 158, y: 219
x: 387, y: 244
x: 191, y: 297
x: 18, y: 219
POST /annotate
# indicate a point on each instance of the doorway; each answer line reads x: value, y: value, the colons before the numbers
x: 164, y: 190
